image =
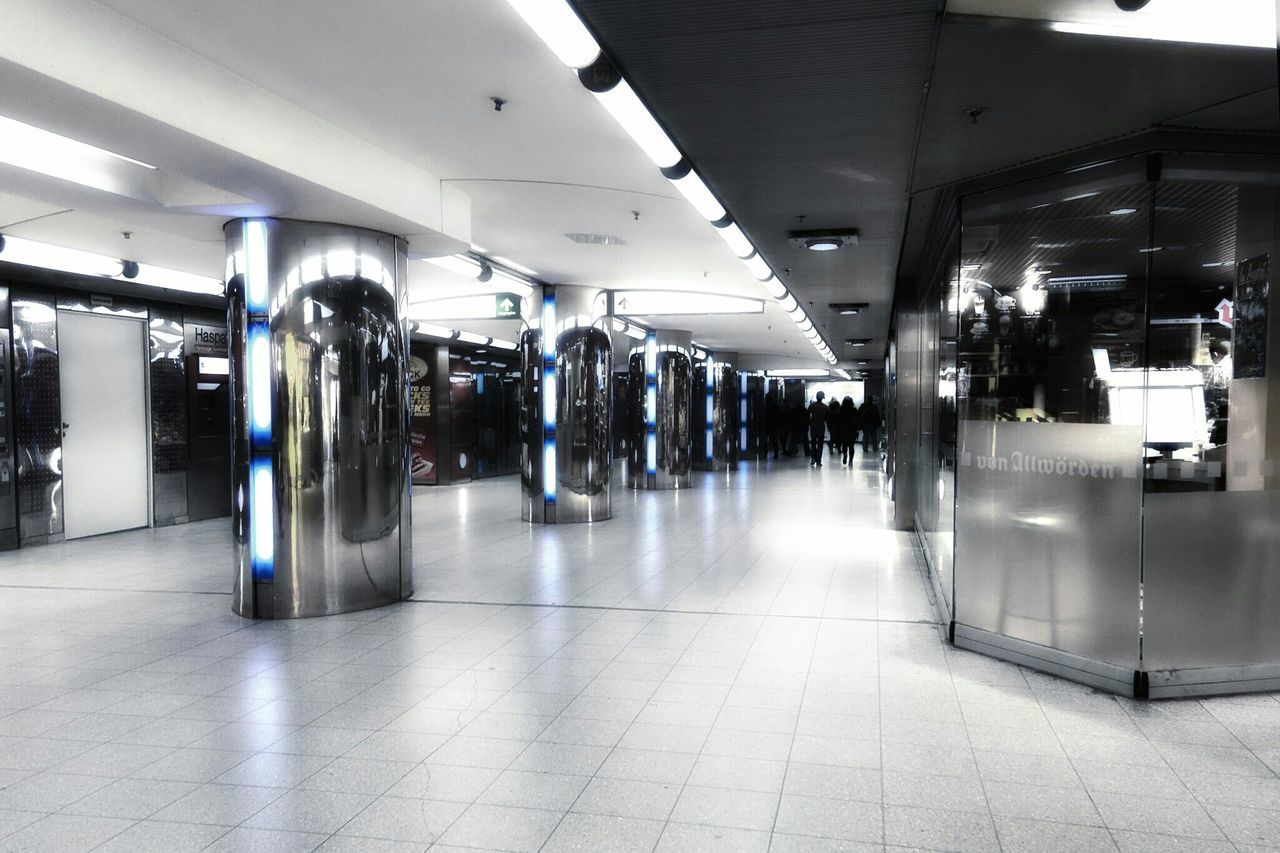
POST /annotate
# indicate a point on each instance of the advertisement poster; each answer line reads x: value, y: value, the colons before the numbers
x: 422, y: 414
x: 1249, y: 324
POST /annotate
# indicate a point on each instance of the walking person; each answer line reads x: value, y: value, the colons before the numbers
x: 772, y: 423
x: 852, y: 421
x: 817, y: 429
x: 869, y: 416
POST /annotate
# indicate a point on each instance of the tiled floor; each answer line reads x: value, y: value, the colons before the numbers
x: 747, y: 666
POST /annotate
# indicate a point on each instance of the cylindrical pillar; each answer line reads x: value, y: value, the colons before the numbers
x: 751, y: 437
x: 701, y: 416
x: 319, y: 353
x: 566, y: 409
x: 726, y: 419
x: 661, y: 446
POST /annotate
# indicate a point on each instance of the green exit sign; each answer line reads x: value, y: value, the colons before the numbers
x: 506, y: 306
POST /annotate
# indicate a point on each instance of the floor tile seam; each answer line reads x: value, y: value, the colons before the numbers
x: 972, y: 750
x: 595, y: 773
x: 682, y: 612
x: 1057, y: 736
x: 684, y: 784
x: 515, y: 758
x: 786, y: 770
x: 127, y: 590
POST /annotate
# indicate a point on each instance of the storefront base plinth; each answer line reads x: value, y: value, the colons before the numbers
x: 1213, y: 681
x: 1103, y: 676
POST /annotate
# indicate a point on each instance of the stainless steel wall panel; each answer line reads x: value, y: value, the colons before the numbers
x: 1048, y: 530
x: 1211, y: 560
x: 38, y: 417
x: 338, y: 444
x: 168, y: 390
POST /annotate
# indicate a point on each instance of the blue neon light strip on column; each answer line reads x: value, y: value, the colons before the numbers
x: 258, y: 382
x: 257, y: 290
x: 550, y: 474
x: 651, y: 403
x: 711, y: 385
x: 258, y: 372
x: 262, y: 514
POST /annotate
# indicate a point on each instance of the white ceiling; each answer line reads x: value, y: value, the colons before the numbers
x: 375, y: 115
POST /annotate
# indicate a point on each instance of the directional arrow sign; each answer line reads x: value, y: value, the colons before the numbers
x: 506, y: 305
x: 1226, y: 313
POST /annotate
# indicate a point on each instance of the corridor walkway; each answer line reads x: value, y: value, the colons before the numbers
x: 748, y: 666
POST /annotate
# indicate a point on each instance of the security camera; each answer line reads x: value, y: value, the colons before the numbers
x: 1131, y: 5
x: 129, y: 269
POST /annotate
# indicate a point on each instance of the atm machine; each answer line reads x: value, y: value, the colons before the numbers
x: 8, y: 452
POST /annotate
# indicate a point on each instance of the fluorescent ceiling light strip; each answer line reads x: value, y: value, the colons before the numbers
x: 775, y: 288
x: 623, y: 104
x: 788, y: 303
x: 48, y: 153
x: 696, y: 192
x: 501, y: 344
x: 153, y: 276
x: 798, y: 373
x: 515, y: 285
x: 19, y: 250
x: 560, y: 29
x: 473, y: 338
x: 507, y: 262
x: 757, y: 267
x: 463, y: 265
x: 732, y: 235
x: 1221, y: 29
x: 434, y: 330
x: 478, y: 307
x: 650, y: 302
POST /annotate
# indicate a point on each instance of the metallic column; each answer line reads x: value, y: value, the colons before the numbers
x: 566, y: 407
x: 722, y: 379
x: 661, y: 375
x: 319, y: 383
x: 751, y: 439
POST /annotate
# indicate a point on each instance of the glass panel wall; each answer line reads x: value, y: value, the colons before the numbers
x: 1211, y: 541
x: 1116, y: 381
x: 1052, y: 291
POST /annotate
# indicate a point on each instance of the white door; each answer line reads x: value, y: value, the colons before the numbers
x: 105, y: 452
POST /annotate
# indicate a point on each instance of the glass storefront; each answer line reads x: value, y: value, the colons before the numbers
x: 1099, y: 409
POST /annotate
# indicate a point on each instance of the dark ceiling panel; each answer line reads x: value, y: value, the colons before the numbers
x: 1046, y: 92
x: 804, y: 108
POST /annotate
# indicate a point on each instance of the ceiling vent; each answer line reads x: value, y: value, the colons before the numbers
x: 597, y: 239
x: 848, y: 308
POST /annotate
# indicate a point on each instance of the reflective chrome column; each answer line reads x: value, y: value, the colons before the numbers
x: 319, y: 379
x: 567, y: 405
x: 722, y: 377
x: 661, y: 374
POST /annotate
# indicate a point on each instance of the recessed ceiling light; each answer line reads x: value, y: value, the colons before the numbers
x: 822, y: 245
x: 1214, y: 264
x: 1123, y: 211
x: 1151, y: 249
x: 847, y: 308
x: 824, y: 241
x: 1080, y: 196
